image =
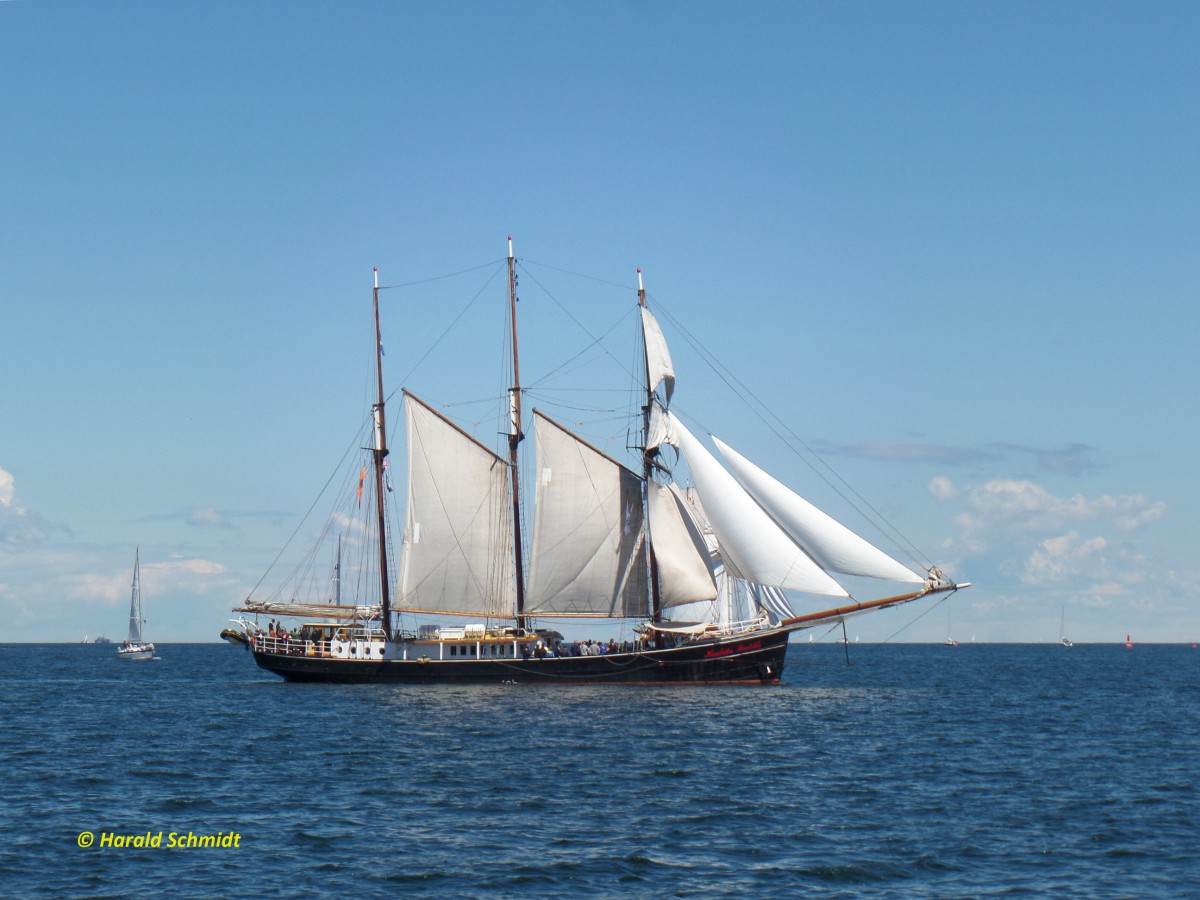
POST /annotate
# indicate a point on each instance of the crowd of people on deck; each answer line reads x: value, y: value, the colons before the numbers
x: 540, y: 649
x: 306, y: 633
x: 583, y: 648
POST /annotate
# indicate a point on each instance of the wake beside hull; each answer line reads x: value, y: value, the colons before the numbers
x: 750, y: 659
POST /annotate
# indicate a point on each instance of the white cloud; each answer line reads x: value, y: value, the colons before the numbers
x: 107, y: 588
x: 157, y: 577
x: 1065, y: 556
x: 208, y: 517
x: 18, y: 526
x: 1016, y: 535
x: 942, y: 488
x: 186, y: 567
x: 1026, y: 504
x: 7, y: 488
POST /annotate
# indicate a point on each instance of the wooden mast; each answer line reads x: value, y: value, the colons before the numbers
x: 514, y: 440
x: 648, y: 469
x: 380, y: 454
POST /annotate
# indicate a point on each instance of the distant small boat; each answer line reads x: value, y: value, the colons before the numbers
x: 1128, y: 642
x: 133, y: 647
x: 1062, y: 630
x: 950, y: 641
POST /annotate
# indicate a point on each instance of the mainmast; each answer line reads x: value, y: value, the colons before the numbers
x: 648, y: 469
x: 514, y: 439
x: 380, y: 454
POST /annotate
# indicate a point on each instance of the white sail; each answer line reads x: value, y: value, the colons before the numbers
x: 684, y: 574
x: 658, y: 431
x: 830, y: 543
x: 751, y: 543
x: 458, y: 535
x: 135, y: 604
x: 588, y: 538
x: 658, y: 358
x: 760, y: 596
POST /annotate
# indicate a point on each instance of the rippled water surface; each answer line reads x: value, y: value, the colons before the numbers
x: 916, y: 771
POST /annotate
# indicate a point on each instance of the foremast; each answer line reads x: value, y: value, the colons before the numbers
x: 648, y: 469
x: 380, y: 452
x: 515, y: 437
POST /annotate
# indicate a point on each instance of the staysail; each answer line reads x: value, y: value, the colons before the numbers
x: 588, y: 540
x: 458, y: 534
x: 830, y: 543
x: 684, y: 573
x: 751, y: 543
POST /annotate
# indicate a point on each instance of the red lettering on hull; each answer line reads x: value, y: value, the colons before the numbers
x: 729, y: 651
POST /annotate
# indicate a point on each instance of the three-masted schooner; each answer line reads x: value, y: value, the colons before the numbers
x: 608, y: 542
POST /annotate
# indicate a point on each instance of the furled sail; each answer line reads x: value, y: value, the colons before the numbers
x: 751, y: 543
x: 658, y: 430
x: 458, y: 534
x: 588, y: 557
x: 834, y: 546
x: 658, y: 357
x: 684, y: 574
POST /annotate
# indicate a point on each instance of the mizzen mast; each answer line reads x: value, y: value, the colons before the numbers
x: 380, y: 452
x: 515, y: 437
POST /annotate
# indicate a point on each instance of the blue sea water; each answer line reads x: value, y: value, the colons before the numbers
x: 914, y: 771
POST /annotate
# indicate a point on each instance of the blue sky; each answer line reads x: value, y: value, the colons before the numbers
x: 954, y: 246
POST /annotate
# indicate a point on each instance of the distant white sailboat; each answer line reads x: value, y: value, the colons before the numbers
x: 1062, y: 630
x: 950, y: 641
x: 133, y: 647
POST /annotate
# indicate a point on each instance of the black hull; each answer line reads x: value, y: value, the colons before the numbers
x: 751, y: 659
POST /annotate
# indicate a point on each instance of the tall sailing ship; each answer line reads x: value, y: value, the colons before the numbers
x: 610, y: 542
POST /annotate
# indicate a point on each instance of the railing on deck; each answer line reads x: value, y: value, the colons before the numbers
x: 292, y: 646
